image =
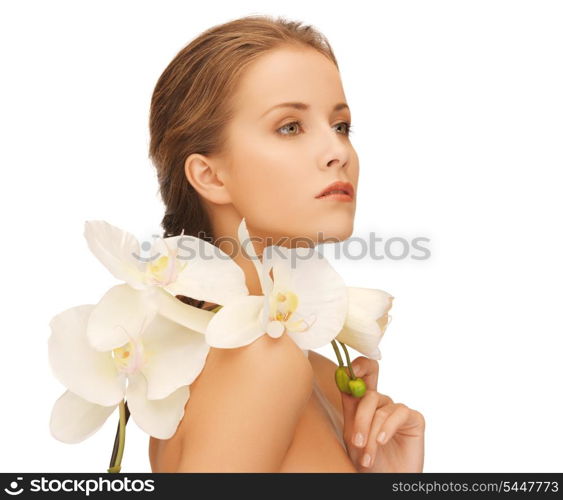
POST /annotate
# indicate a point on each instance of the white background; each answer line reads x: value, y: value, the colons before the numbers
x: 457, y: 108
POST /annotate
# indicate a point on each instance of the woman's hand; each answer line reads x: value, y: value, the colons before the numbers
x: 365, y: 418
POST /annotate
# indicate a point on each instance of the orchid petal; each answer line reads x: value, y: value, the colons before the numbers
x: 275, y: 329
x: 116, y: 249
x: 208, y: 273
x: 120, y: 314
x: 175, y: 356
x: 363, y: 342
x: 248, y: 247
x: 88, y: 373
x: 73, y: 419
x: 366, y: 320
x: 371, y: 300
x: 175, y: 310
x: 157, y: 417
x: 236, y: 324
x: 321, y: 292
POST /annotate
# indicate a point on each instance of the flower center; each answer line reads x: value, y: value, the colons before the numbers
x: 164, y: 270
x: 129, y: 358
x: 282, y: 305
x: 283, y: 308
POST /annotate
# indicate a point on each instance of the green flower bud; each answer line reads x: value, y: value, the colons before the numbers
x: 357, y: 387
x: 342, y: 379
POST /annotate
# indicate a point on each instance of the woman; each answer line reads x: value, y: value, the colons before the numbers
x: 250, y: 120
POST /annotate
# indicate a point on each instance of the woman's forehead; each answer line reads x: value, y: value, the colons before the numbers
x: 288, y: 76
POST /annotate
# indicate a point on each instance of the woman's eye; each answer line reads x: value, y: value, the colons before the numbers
x: 295, y: 124
x: 348, y: 128
x: 288, y: 126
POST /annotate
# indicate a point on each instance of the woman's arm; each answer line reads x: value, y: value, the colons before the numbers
x: 242, y: 415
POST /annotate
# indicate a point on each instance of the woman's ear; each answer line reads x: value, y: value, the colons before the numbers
x: 203, y: 174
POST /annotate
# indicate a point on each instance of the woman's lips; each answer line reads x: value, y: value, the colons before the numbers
x: 336, y: 197
x: 338, y: 191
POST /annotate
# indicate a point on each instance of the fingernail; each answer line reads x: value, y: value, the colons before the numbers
x: 359, y: 439
x: 381, y: 437
x: 366, y: 460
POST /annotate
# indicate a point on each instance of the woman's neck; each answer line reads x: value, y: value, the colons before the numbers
x: 225, y: 223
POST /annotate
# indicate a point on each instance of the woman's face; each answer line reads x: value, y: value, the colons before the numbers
x: 279, y: 158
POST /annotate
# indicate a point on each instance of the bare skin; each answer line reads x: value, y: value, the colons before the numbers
x: 314, y: 447
x: 253, y: 408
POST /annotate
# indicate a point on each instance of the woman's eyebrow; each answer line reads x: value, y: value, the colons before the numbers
x: 302, y: 106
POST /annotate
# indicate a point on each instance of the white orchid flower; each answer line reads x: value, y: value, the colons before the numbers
x: 150, y: 361
x: 179, y: 265
x: 367, y: 320
x: 306, y: 298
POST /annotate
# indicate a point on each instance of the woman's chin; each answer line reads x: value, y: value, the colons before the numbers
x: 334, y: 231
x: 335, y: 236
x: 312, y: 230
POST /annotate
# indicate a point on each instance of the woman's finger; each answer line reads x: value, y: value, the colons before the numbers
x: 387, y: 420
x: 359, y: 430
x: 368, y: 369
x: 349, y: 406
x: 359, y: 415
x: 406, y: 420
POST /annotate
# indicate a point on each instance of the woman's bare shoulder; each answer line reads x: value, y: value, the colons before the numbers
x: 244, y: 406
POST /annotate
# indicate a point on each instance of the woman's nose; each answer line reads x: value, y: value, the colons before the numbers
x: 335, y: 162
x: 336, y: 151
x: 335, y: 159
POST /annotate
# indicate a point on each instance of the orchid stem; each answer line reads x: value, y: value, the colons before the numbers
x: 337, y: 351
x: 119, y: 443
x: 353, y: 377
